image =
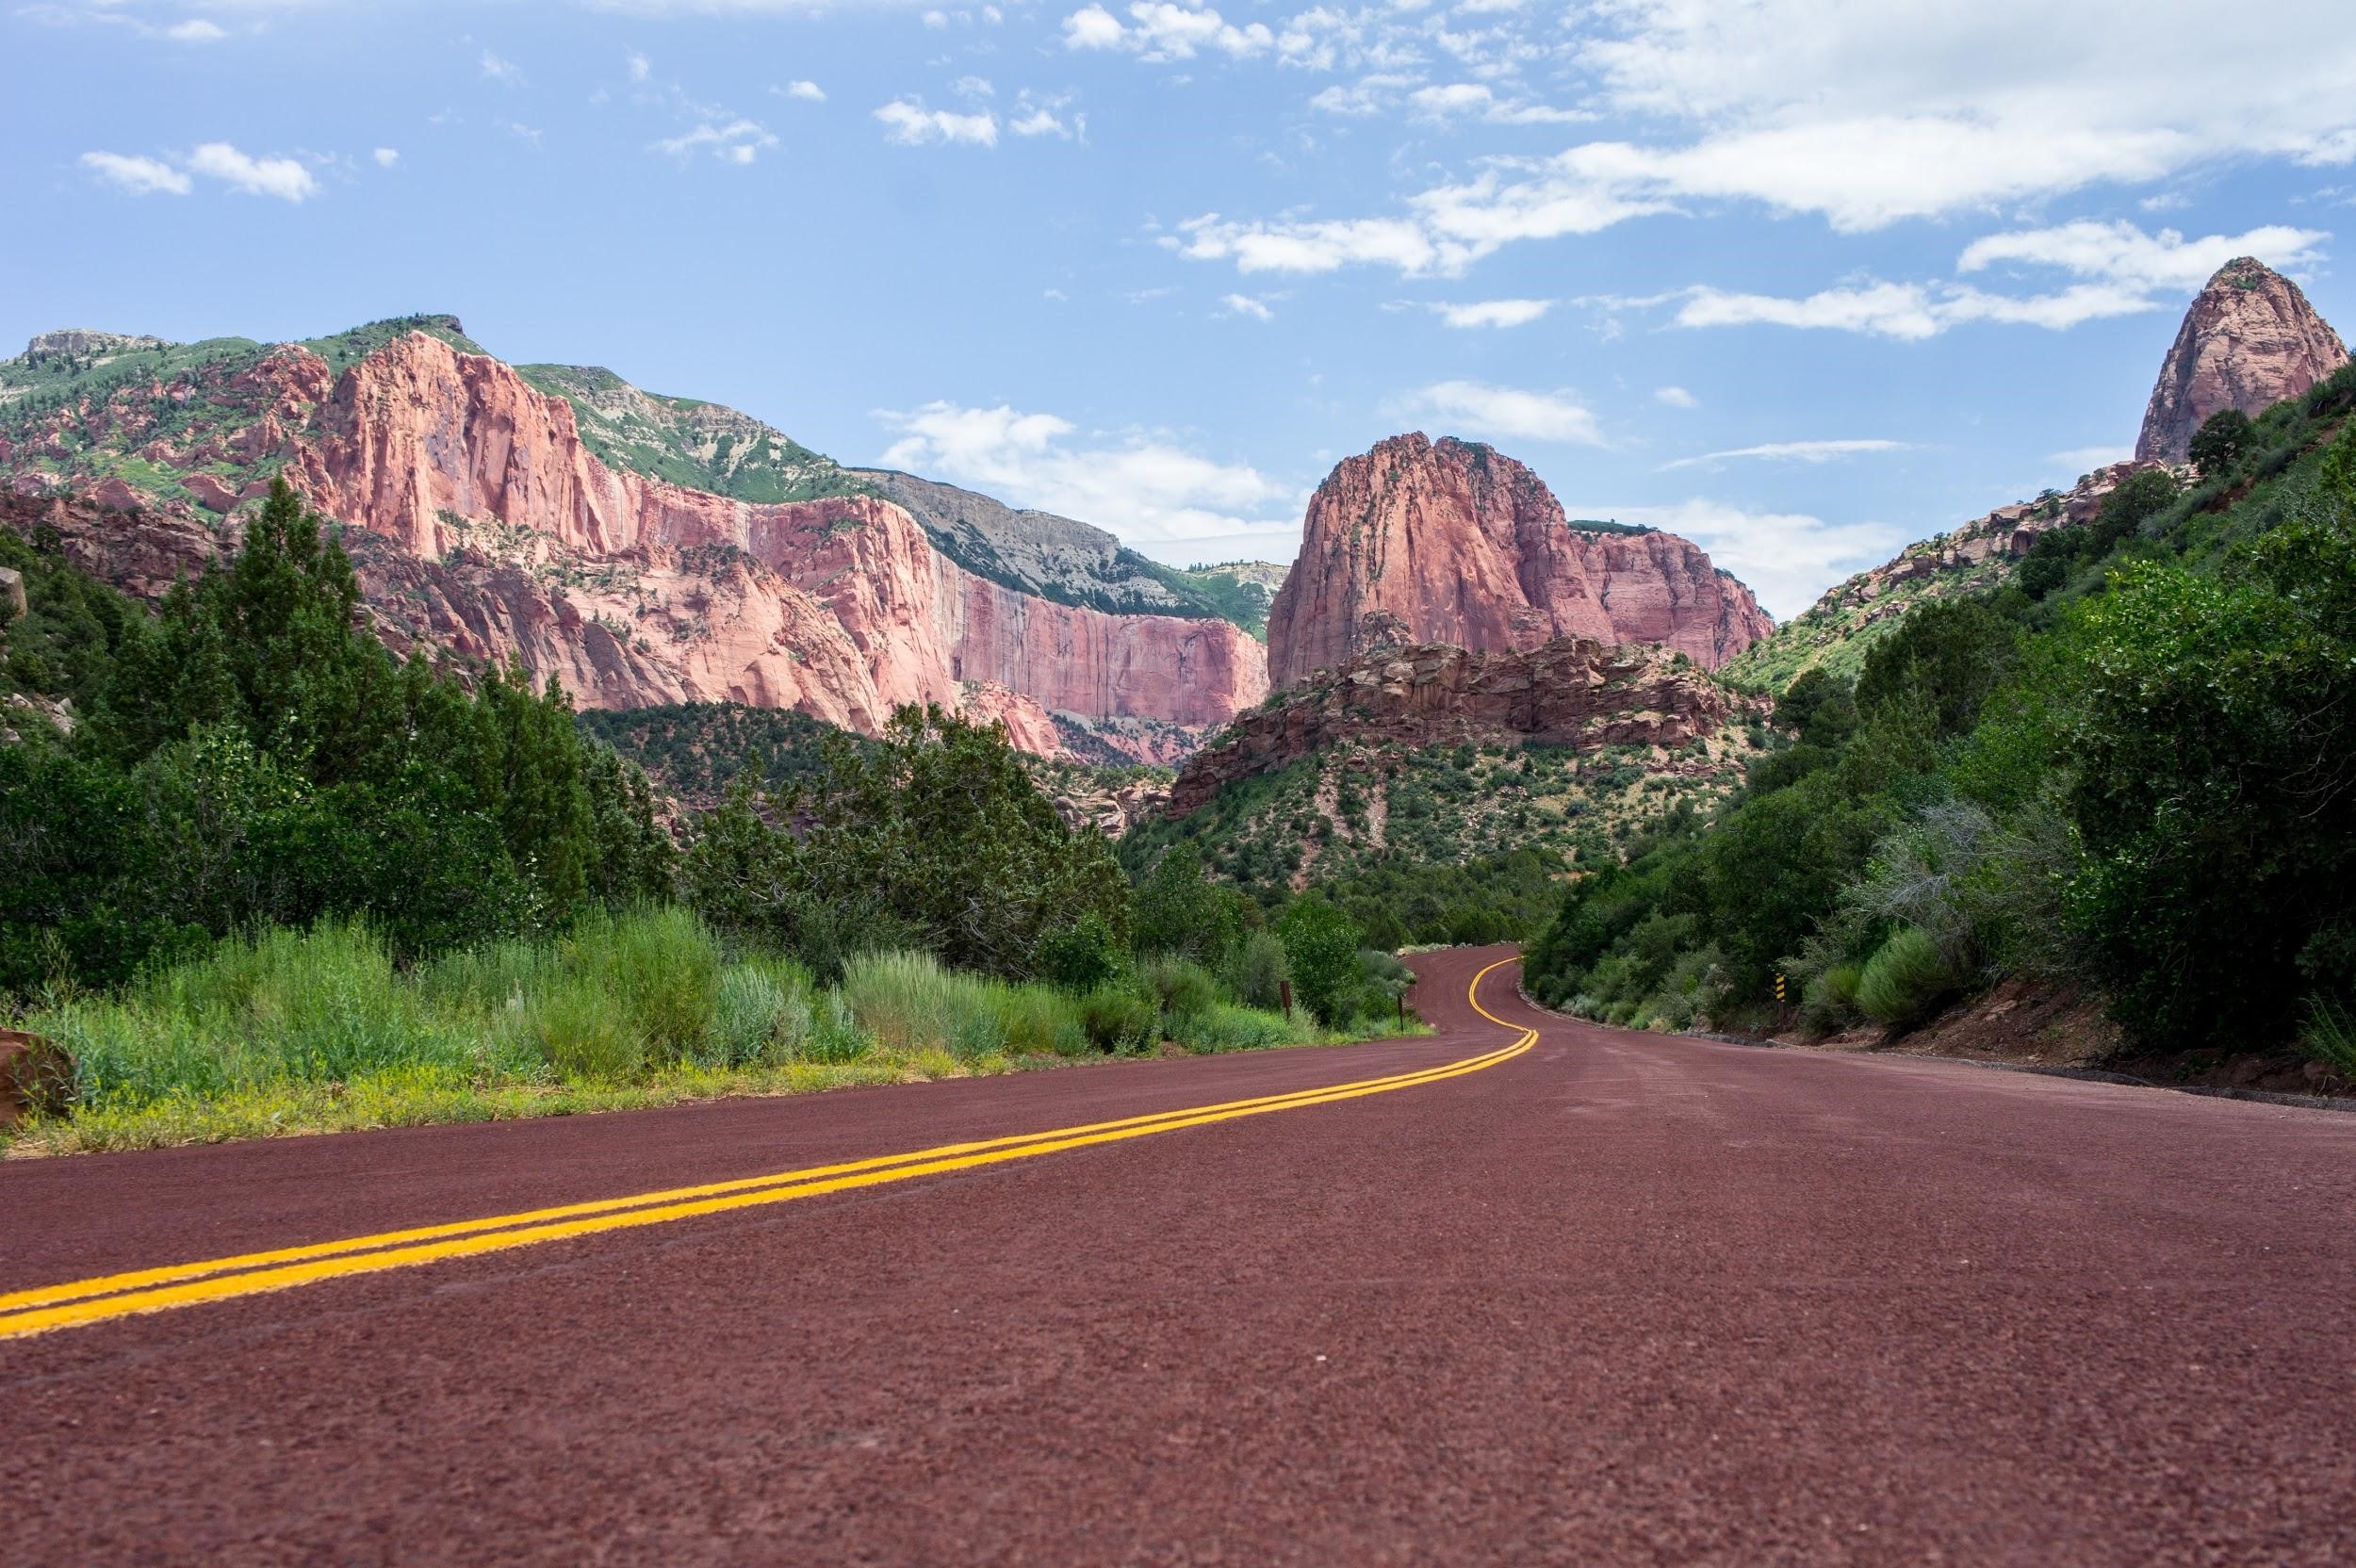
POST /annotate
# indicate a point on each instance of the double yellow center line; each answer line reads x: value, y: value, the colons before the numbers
x: 111, y: 1296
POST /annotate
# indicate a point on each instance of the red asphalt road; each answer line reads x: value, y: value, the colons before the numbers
x: 1621, y: 1299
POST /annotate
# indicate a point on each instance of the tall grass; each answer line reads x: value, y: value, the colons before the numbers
x: 321, y: 1027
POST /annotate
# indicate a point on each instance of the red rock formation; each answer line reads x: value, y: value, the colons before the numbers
x: 1566, y: 692
x: 2250, y: 340
x: 488, y: 526
x: 1452, y: 542
x: 436, y: 448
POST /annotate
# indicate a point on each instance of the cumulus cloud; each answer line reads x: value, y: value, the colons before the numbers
x: 1494, y: 313
x: 1480, y: 409
x: 1675, y: 397
x: 195, y: 30
x: 1787, y: 558
x: 909, y: 122
x: 738, y: 141
x: 1792, y: 451
x: 501, y: 70
x: 1244, y: 304
x: 808, y: 92
x: 283, y: 178
x: 1144, y: 486
x: 139, y: 175
x: 2122, y: 253
x: 1158, y: 30
x: 2128, y: 273
x: 640, y: 67
x: 387, y: 156
x: 1858, y: 112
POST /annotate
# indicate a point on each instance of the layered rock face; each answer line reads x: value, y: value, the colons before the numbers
x: 2250, y: 340
x: 1572, y: 692
x: 490, y: 527
x: 1450, y: 542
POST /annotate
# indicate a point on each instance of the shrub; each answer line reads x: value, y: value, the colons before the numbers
x: 1224, y: 1027
x: 662, y: 966
x: 2330, y: 1037
x: 908, y: 1001
x: 1258, y: 972
x: 1321, y: 948
x: 1904, y: 979
x: 575, y: 1027
x: 1115, y: 1019
x: 1080, y: 956
x: 1040, y: 1018
x: 1830, y: 1000
x: 1179, y: 987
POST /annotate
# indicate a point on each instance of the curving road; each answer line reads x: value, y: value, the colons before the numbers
x: 1607, y: 1299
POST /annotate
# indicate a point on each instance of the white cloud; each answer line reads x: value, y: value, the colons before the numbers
x: 281, y: 177
x: 910, y: 124
x: 501, y: 70
x: 140, y: 177
x: 640, y: 67
x: 1787, y: 559
x: 1141, y: 485
x: 1859, y: 112
x: 1315, y: 247
x: 387, y: 156
x: 1793, y: 451
x: 1159, y: 30
x: 737, y: 142
x: 1508, y: 412
x: 1494, y: 313
x: 1244, y: 304
x: 1910, y: 311
x: 2123, y: 254
x: 195, y: 30
x: 974, y: 86
x: 808, y: 92
x: 1675, y: 397
x: 2128, y: 272
x: 1032, y: 117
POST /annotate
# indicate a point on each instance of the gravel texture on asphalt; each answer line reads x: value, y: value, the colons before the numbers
x: 1621, y: 1299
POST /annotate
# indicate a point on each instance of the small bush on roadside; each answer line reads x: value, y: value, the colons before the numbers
x: 1118, y: 1020
x: 1224, y: 1027
x: 1901, y: 981
x: 1178, y: 986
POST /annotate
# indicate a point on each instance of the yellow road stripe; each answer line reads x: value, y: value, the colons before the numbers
x: 122, y: 1295
x: 107, y: 1285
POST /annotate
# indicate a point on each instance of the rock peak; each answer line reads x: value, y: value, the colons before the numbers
x: 2248, y: 340
x: 1453, y: 542
x: 82, y: 340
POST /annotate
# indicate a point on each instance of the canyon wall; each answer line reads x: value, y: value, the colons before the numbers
x: 482, y: 522
x: 1452, y: 542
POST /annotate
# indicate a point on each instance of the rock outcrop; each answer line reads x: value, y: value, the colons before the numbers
x: 1452, y: 542
x: 483, y: 523
x: 1570, y: 692
x: 2250, y: 340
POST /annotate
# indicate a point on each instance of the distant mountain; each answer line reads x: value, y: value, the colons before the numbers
x: 1452, y: 542
x: 648, y: 550
x: 1056, y: 558
x: 2250, y: 340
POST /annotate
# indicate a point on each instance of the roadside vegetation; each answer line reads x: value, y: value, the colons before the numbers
x: 272, y: 879
x: 2133, y: 768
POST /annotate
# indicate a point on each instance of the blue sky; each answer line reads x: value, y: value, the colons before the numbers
x: 1804, y: 279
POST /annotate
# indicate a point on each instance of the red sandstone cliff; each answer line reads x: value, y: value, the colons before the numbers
x: 2250, y: 340
x: 1450, y: 542
x: 491, y: 529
